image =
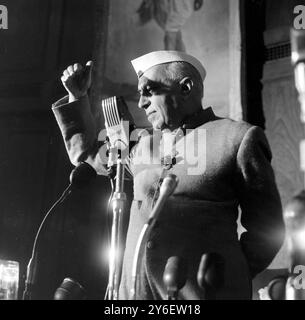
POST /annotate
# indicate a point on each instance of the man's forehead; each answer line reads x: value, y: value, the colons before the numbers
x: 155, y: 74
x: 145, y: 82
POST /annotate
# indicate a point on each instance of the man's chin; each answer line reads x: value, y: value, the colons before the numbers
x: 157, y: 126
x: 162, y: 126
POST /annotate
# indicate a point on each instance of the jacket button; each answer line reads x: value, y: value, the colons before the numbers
x: 150, y: 244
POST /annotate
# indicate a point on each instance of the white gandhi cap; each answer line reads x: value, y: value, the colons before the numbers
x: 154, y: 58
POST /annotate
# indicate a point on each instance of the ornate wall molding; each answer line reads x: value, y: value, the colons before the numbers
x: 284, y: 132
x: 235, y: 58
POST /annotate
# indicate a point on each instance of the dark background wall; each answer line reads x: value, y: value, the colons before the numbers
x: 43, y: 38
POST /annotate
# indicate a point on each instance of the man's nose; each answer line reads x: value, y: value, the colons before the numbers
x: 143, y: 102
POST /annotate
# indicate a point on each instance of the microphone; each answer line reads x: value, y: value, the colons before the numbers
x: 119, y: 124
x: 82, y: 175
x: 69, y: 290
x: 294, y: 217
x: 210, y: 276
x: 277, y: 287
x: 174, y: 276
x: 298, y: 62
x: 79, y: 177
x: 168, y: 186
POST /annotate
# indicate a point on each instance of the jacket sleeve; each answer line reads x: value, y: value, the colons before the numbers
x: 82, y: 141
x: 260, y: 202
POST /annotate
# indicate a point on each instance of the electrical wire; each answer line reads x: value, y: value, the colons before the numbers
x: 32, y: 261
x: 66, y: 192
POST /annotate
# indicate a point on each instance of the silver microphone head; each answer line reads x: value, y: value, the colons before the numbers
x: 175, y: 273
x: 118, y: 121
x: 115, y: 109
x: 69, y: 290
x: 294, y: 217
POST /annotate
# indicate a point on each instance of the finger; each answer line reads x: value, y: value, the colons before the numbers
x: 89, y: 63
x: 70, y: 70
x: 66, y: 73
x: 63, y: 78
x: 77, y: 67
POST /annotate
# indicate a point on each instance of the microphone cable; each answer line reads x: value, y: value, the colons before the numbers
x: 79, y: 176
x: 31, y: 268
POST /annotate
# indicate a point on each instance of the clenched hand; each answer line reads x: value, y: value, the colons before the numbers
x: 77, y: 80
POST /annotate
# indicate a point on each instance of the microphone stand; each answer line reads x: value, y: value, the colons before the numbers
x: 138, y: 257
x: 116, y: 252
x: 294, y: 214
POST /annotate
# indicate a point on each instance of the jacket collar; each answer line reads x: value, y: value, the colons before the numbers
x: 199, y: 118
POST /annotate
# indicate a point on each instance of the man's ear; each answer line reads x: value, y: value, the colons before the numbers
x: 186, y: 86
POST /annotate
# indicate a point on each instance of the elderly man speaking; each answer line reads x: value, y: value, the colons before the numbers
x: 233, y: 170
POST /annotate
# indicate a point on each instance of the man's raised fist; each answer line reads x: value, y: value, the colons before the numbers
x: 77, y: 80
